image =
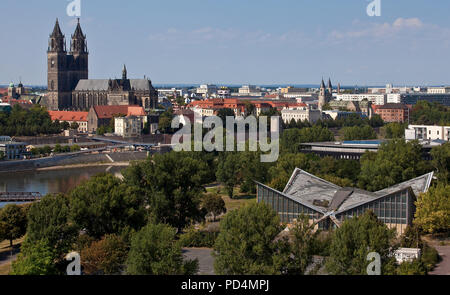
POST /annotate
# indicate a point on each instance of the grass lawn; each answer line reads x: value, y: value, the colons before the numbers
x: 239, y: 200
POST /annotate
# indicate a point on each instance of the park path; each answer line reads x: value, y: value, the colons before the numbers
x: 7, y: 256
x: 443, y: 267
x: 205, y: 259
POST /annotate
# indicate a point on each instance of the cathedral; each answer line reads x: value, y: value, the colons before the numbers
x: 325, y: 94
x: 69, y: 86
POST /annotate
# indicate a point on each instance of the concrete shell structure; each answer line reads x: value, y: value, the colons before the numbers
x: 328, y: 205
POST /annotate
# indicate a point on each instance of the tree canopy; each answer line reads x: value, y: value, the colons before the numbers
x: 154, y: 251
x: 13, y: 222
x: 105, y: 205
x: 28, y: 122
x: 172, y: 185
x: 354, y: 240
x: 395, y: 162
x: 433, y: 209
x: 247, y: 242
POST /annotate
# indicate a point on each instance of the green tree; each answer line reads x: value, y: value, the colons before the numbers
x: 13, y: 223
x: 106, y: 256
x: 354, y: 240
x: 395, y: 130
x: 411, y: 268
x: 74, y: 126
x: 65, y: 125
x: 75, y: 148
x: 357, y: 132
x: 36, y: 258
x: 49, y: 219
x: 395, y: 162
x: 172, y: 185
x: 154, y: 251
x: 303, y: 244
x: 433, y: 209
x: 247, y: 242
x: 165, y: 121
x: 441, y: 161
x: 426, y: 113
x: 57, y: 149
x: 28, y: 122
x: 229, y: 171
x: 224, y: 113
x: 214, y: 204
x: 105, y: 205
x: 292, y: 138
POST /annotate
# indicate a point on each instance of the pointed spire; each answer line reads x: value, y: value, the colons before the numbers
x: 124, y: 72
x: 57, y: 42
x: 329, y: 84
x: 322, y: 85
x: 78, y: 31
x: 57, y: 30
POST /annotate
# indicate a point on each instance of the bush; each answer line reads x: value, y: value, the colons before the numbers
x: 198, y: 238
x: 430, y: 257
x: 106, y: 256
x: 414, y: 267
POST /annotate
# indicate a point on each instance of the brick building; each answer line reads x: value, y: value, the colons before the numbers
x: 393, y: 112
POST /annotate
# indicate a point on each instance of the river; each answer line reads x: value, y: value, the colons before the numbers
x: 51, y: 181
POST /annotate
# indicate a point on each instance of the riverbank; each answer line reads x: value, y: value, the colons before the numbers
x: 87, y: 165
x: 72, y: 160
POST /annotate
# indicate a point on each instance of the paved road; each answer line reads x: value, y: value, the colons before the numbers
x: 205, y: 259
x: 443, y: 268
x: 6, y: 257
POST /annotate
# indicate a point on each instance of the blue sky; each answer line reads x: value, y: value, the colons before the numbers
x: 238, y: 41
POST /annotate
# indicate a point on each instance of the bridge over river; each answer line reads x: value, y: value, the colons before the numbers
x: 19, y: 197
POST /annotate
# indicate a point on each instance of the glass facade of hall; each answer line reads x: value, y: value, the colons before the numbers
x: 287, y: 209
x: 392, y: 209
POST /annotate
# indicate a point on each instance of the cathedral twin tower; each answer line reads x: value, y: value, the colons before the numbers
x: 69, y: 87
x: 65, y: 70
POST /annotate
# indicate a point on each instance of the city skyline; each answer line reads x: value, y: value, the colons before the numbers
x: 262, y: 44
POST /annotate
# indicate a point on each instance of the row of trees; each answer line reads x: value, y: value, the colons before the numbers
x: 29, y: 122
x: 137, y: 216
x: 251, y: 242
x: 426, y: 113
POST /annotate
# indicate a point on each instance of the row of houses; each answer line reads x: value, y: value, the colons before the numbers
x: 292, y: 109
x: 129, y: 121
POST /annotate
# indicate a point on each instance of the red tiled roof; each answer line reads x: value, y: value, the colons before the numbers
x: 106, y: 112
x: 68, y: 116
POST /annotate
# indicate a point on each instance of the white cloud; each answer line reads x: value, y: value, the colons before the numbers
x: 380, y: 30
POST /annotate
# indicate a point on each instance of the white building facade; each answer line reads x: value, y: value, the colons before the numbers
x: 130, y: 126
x: 301, y: 114
x: 378, y: 99
x: 427, y: 132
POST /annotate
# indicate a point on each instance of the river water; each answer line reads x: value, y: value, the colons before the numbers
x: 51, y: 181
